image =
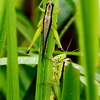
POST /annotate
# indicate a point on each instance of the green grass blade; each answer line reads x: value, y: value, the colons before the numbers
x: 88, y: 32
x: 2, y: 24
x: 12, y: 63
x: 23, y: 19
x: 24, y: 25
x: 67, y: 26
x: 45, y: 66
x: 28, y: 34
x: 21, y: 60
x: 70, y: 90
x: 44, y: 74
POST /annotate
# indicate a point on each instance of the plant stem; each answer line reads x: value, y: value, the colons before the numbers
x: 44, y: 74
x: 88, y: 41
x: 12, y: 63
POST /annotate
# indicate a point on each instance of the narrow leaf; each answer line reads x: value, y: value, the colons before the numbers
x: 70, y: 90
x: 12, y: 62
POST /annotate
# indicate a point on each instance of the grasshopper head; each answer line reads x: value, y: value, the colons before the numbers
x: 60, y: 58
x: 49, y: 6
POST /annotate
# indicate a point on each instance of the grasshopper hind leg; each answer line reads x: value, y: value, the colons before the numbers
x: 57, y: 38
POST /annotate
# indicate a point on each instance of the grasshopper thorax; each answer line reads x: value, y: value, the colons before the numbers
x: 59, y: 58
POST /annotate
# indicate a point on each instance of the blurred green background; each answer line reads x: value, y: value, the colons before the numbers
x: 77, y: 20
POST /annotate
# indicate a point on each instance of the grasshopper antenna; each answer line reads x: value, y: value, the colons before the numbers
x: 69, y: 45
x: 75, y: 50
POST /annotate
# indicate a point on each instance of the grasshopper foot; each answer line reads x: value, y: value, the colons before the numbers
x: 62, y: 50
x: 27, y: 51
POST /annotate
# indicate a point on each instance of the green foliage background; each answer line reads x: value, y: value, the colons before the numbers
x: 18, y: 23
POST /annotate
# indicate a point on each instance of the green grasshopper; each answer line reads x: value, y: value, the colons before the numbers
x: 45, y: 25
x: 58, y: 68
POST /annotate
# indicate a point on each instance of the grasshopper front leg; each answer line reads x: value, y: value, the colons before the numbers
x: 56, y: 11
x: 40, y: 28
x: 35, y: 38
x: 41, y: 9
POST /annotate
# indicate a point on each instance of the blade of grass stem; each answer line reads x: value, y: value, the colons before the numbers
x: 88, y: 41
x: 21, y: 60
x: 25, y: 32
x: 44, y: 74
x: 70, y: 90
x: 12, y: 63
x: 23, y: 19
x: 2, y: 24
x: 67, y: 25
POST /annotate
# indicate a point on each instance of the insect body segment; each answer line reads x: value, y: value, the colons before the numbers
x: 58, y: 68
x: 58, y: 65
x: 47, y: 21
x: 45, y: 25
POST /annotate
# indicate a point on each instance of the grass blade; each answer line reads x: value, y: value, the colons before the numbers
x: 70, y: 90
x: 45, y: 66
x: 88, y: 32
x: 12, y: 63
x: 2, y: 24
x: 67, y: 26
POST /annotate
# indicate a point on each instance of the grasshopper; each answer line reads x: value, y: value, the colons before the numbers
x: 45, y: 25
x: 58, y: 68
